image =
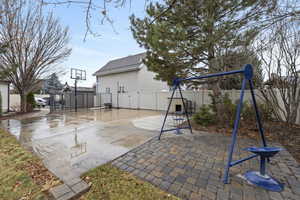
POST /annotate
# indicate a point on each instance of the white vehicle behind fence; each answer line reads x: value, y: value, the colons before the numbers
x: 40, y: 102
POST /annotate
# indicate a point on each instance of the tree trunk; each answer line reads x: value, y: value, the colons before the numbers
x: 215, y: 86
x: 23, y: 102
x: 219, y: 102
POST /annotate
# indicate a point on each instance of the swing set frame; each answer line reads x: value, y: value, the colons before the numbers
x: 247, y: 72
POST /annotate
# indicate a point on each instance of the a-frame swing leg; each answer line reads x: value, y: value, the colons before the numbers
x: 258, y: 119
x: 234, y: 132
x: 162, y: 128
x: 185, y: 109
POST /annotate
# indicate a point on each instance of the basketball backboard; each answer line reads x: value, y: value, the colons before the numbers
x: 78, y: 74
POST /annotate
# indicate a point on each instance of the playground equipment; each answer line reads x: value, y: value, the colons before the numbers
x: 178, y: 120
x: 257, y: 178
x: 77, y: 75
x: 260, y: 178
x: 177, y: 113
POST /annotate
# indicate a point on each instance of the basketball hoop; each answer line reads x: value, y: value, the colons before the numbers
x: 77, y: 74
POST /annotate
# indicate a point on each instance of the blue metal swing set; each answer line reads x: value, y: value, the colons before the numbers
x: 260, y: 178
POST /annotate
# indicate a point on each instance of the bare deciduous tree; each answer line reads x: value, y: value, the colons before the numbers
x: 280, y: 56
x: 36, y: 43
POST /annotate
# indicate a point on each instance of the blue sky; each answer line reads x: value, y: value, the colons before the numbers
x: 96, y: 51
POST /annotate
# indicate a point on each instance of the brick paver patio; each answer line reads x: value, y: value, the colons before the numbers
x: 191, y: 167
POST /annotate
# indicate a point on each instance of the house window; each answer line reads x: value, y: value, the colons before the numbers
x: 121, y: 89
x: 107, y: 90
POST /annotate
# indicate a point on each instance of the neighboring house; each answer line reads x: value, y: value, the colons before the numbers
x: 49, y: 85
x: 40, y: 87
x: 4, y: 90
x: 127, y: 75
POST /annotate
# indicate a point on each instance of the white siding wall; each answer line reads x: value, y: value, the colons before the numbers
x: 4, y: 95
x: 134, y: 83
x: 147, y: 83
x: 126, y: 79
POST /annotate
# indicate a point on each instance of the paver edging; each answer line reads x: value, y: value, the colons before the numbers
x: 70, y: 190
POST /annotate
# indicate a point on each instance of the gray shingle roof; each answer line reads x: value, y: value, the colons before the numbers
x: 129, y: 63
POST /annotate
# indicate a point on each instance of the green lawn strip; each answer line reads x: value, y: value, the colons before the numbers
x: 108, y: 182
x: 22, y: 175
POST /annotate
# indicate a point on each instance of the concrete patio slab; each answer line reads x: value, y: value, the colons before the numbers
x: 72, y: 143
x: 154, y: 123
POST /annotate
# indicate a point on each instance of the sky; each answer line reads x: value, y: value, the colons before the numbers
x: 95, y: 52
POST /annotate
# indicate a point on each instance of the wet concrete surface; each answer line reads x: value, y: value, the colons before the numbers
x: 72, y: 143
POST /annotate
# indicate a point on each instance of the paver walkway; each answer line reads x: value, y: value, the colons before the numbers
x: 191, y: 167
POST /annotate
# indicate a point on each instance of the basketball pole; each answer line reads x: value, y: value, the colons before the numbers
x: 78, y: 75
x: 76, y: 95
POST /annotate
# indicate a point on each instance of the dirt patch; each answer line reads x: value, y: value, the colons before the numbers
x: 278, y: 132
x: 40, y: 175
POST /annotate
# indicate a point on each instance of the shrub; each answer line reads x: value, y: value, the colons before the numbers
x: 228, y: 111
x: 205, y: 116
x: 224, y: 109
x: 31, y: 104
x: 214, y: 102
x: 264, y: 110
x: 248, y: 112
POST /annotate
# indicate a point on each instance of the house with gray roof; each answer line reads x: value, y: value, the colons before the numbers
x: 127, y: 76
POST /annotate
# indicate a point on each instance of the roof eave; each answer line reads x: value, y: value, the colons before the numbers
x: 105, y: 73
x: 116, y: 71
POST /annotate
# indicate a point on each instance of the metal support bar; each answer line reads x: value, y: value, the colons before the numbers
x: 234, y: 132
x: 240, y: 71
x: 173, y: 129
x: 258, y: 120
x: 242, y: 160
x: 185, y: 110
x: 262, y: 165
x: 162, y: 128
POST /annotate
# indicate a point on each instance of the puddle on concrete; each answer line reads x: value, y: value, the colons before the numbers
x: 71, y: 143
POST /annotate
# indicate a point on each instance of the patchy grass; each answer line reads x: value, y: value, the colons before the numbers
x: 22, y: 175
x: 108, y: 182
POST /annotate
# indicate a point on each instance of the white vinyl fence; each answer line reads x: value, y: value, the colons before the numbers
x: 15, y: 100
x: 160, y: 100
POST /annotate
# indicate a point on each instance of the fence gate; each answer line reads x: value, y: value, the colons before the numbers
x: 66, y: 101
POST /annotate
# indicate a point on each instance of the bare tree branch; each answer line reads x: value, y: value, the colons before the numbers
x: 280, y: 59
x: 36, y: 44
